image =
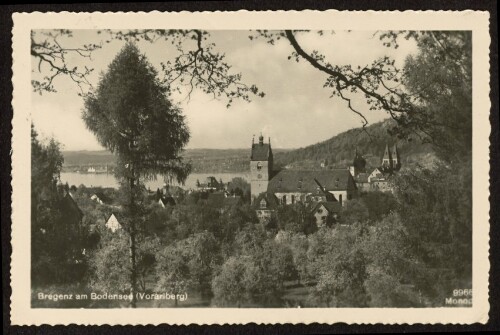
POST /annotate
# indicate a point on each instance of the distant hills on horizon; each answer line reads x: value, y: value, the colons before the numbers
x: 338, y: 151
x: 370, y: 142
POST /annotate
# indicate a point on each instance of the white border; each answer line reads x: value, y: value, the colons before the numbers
x: 21, y: 312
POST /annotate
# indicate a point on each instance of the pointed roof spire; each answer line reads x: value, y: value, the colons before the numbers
x: 261, y: 139
x: 387, y: 153
x: 395, y: 149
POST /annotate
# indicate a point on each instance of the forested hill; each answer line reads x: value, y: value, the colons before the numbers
x: 339, y: 150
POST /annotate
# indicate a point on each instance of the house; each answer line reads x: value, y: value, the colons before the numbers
x: 378, y: 179
x: 265, y: 205
x: 112, y: 222
x: 165, y: 201
x: 326, y: 213
x: 291, y: 186
x: 362, y: 182
x: 211, y: 184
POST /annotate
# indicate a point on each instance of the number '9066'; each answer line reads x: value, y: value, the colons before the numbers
x: 466, y: 292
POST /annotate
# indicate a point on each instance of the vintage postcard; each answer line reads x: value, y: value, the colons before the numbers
x: 237, y: 167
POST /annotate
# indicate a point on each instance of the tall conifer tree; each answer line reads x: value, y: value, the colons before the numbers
x: 131, y: 115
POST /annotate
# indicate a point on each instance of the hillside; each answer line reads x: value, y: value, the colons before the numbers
x: 338, y: 151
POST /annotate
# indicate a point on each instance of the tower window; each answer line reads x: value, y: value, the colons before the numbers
x: 283, y: 200
x: 259, y: 166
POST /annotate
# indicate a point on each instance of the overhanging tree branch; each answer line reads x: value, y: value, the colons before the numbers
x: 355, y: 81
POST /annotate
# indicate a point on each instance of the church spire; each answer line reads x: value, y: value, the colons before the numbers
x: 387, y: 154
x: 387, y: 160
x: 261, y: 139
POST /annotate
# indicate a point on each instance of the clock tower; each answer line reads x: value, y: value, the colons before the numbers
x: 261, y: 166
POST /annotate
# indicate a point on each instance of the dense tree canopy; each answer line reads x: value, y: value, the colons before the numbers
x: 56, y: 235
x: 131, y: 115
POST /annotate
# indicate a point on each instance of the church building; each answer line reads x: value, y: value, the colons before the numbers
x: 376, y: 179
x: 391, y: 160
x: 291, y: 186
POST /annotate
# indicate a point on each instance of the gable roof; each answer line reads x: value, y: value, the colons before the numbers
x: 118, y: 216
x: 69, y: 206
x: 103, y: 197
x: 271, y: 200
x: 362, y: 177
x: 303, y: 181
x: 167, y: 200
x: 331, y: 207
x: 260, y: 152
x: 115, y: 224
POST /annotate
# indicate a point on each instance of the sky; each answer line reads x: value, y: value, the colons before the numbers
x: 295, y: 112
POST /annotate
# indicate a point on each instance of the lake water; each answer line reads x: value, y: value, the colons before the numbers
x: 108, y: 180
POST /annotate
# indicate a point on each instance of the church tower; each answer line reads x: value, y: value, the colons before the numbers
x: 396, y: 160
x: 261, y: 166
x: 387, y: 159
x: 358, y: 164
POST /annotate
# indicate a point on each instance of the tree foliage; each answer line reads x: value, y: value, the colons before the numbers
x: 57, y: 237
x: 439, y: 80
x: 130, y: 114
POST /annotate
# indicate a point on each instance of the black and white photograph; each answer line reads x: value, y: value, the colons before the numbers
x: 251, y: 168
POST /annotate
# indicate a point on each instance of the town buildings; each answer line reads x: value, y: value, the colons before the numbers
x: 378, y: 178
x: 318, y: 189
x: 292, y: 186
x: 325, y: 191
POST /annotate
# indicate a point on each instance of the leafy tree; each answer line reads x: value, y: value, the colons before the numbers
x: 110, y: 264
x: 172, y: 271
x: 439, y: 78
x: 437, y: 210
x: 231, y: 284
x: 240, y: 187
x: 57, y: 236
x: 277, y: 262
x: 296, y: 218
x: 355, y: 211
x: 379, y: 204
x: 130, y: 114
x: 339, y: 266
x: 203, y: 254
x: 392, y: 266
x: 298, y: 244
